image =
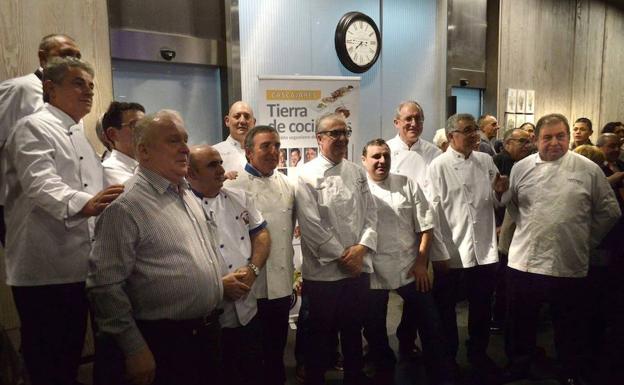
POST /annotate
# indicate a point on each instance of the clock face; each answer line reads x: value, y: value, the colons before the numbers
x: 358, y: 42
x: 361, y: 42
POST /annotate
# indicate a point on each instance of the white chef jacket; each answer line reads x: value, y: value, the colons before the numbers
x: 118, y: 168
x: 52, y: 172
x: 274, y: 197
x: 562, y: 210
x: 462, y: 188
x: 237, y: 220
x: 19, y: 97
x: 427, y: 150
x: 336, y: 210
x: 412, y: 165
x: 232, y: 153
x: 402, y: 213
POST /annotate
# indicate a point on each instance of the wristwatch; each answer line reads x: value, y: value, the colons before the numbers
x: 254, y: 268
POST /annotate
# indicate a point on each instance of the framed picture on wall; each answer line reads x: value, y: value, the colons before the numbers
x: 511, y: 100
x: 530, y: 102
x: 510, y: 121
x: 520, y: 119
x: 520, y: 104
x: 530, y: 118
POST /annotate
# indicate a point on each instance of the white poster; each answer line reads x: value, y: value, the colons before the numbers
x: 521, y: 101
x: 292, y: 104
x: 530, y: 102
x: 511, y: 100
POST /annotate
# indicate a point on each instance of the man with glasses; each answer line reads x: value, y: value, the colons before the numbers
x: 516, y: 146
x: 465, y: 185
x: 118, y: 123
x: 563, y: 206
x: 338, y: 219
x: 408, y: 120
x: 410, y: 157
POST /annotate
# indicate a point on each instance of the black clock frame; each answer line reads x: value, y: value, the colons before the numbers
x: 340, y: 40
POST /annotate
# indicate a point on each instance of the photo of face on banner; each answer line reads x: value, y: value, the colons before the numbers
x: 283, y: 155
x: 295, y: 157
x: 310, y: 153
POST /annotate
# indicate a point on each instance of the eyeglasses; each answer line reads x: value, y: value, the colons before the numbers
x: 522, y: 141
x: 415, y: 119
x: 132, y: 124
x: 467, y: 131
x: 335, y: 134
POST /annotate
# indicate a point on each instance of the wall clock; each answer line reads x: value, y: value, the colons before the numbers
x: 358, y: 42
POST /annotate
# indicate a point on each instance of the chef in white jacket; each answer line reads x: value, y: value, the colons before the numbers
x: 338, y: 220
x: 404, y: 235
x: 563, y: 206
x: 465, y: 186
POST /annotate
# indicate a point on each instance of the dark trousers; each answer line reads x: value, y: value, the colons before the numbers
x: 426, y: 319
x: 303, y: 332
x: 186, y: 352
x: 527, y: 292
x: 335, y: 306
x: 499, y: 306
x: 475, y: 284
x: 53, y: 325
x: 273, y: 317
x: 242, y: 354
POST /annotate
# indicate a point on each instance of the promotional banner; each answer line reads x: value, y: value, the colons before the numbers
x: 292, y: 104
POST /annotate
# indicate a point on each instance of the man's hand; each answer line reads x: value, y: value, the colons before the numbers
x: 419, y: 271
x: 101, y: 200
x: 353, y: 258
x: 231, y: 175
x: 141, y: 367
x: 248, y: 277
x: 500, y: 184
x: 233, y: 287
x: 440, y: 267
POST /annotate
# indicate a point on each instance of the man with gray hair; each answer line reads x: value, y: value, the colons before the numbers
x: 54, y: 180
x: 155, y: 276
x: 563, y: 206
x: 408, y: 120
x: 21, y: 96
x: 465, y: 186
x: 274, y: 197
x: 338, y: 219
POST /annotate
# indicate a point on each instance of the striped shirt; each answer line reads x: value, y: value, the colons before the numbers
x: 154, y: 258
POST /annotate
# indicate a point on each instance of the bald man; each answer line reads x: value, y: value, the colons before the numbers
x: 239, y: 120
x: 244, y: 244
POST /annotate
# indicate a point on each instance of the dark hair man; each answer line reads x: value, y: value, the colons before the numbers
x: 581, y: 132
x: 562, y: 206
x: 275, y: 198
x: 118, y: 123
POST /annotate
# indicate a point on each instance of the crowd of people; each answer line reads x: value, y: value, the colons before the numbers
x: 183, y: 253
